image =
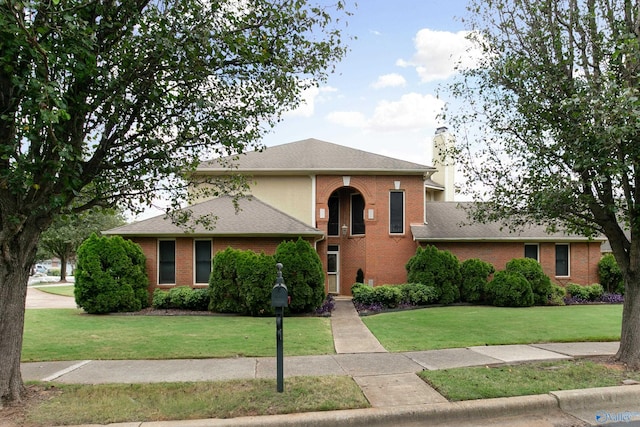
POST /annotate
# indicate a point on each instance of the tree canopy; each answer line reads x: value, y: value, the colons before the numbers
x: 548, y: 127
x: 67, y: 232
x: 106, y: 103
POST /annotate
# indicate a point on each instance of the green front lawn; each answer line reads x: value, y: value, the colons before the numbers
x: 121, y: 403
x: 67, y: 334
x: 526, y: 379
x: 464, y: 326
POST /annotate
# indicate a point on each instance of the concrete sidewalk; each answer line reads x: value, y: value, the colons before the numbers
x: 388, y: 380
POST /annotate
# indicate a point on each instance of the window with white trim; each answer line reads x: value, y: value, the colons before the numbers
x: 396, y: 212
x: 202, y: 257
x: 531, y: 251
x: 166, y: 262
x: 562, y: 260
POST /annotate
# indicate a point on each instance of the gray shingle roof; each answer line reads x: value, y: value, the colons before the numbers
x: 313, y: 155
x: 255, y: 218
x: 448, y: 221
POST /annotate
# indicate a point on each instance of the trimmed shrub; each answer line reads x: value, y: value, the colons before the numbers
x: 610, y: 275
x: 160, y: 299
x: 241, y: 282
x: 303, y: 275
x: 362, y: 294
x: 198, y: 299
x: 181, y: 297
x: 532, y: 271
x: 585, y: 293
x: 257, y: 274
x: 474, y: 278
x: 510, y: 289
x: 178, y: 296
x: 440, y: 269
x: 418, y: 294
x: 224, y: 287
x: 558, y: 294
x: 110, y: 276
x: 388, y: 295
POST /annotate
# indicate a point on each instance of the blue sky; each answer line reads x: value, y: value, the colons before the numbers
x: 385, y: 95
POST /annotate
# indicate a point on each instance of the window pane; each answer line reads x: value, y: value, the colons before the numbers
x: 357, y: 214
x: 531, y: 251
x: 562, y: 260
x: 203, y: 261
x: 396, y: 212
x: 334, y: 216
x: 332, y: 263
x: 167, y: 261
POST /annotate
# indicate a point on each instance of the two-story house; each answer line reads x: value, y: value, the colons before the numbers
x: 361, y: 211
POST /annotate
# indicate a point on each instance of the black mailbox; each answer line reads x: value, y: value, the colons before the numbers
x: 279, y: 296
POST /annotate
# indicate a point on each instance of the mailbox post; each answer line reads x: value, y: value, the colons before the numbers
x: 279, y: 300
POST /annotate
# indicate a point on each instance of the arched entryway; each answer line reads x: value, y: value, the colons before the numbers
x: 346, y: 239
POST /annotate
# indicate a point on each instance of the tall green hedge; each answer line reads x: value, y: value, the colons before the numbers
x: 610, y: 275
x: 110, y: 276
x: 474, y: 278
x: 241, y: 282
x: 440, y: 269
x: 532, y: 271
x: 303, y: 275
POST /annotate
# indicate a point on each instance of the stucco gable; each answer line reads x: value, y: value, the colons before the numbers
x: 254, y: 218
x: 313, y: 155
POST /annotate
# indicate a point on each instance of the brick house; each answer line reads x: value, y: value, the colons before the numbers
x: 361, y: 211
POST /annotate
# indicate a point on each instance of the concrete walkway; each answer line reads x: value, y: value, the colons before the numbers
x: 388, y: 380
x: 350, y: 335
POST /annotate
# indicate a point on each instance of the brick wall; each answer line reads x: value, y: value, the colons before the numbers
x: 381, y: 255
x: 583, y: 262
x: 185, y: 275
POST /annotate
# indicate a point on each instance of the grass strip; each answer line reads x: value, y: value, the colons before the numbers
x: 68, y: 334
x: 63, y: 290
x: 115, y: 403
x: 523, y: 380
x: 465, y: 326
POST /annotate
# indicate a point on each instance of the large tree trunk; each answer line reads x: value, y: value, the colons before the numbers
x: 629, y: 351
x: 17, y: 252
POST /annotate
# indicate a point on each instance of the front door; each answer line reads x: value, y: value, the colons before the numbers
x: 333, y: 269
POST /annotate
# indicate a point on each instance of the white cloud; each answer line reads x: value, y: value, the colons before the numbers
x: 439, y: 52
x: 413, y: 111
x: 389, y: 80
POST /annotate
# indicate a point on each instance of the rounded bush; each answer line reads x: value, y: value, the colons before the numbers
x: 160, y: 299
x: 440, y: 269
x: 474, y: 278
x: 303, y: 275
x: 362, y: 294
x: 110, y: 276
x: 388, y: 295
x: 241, y: 282
x: 532, y: 271
x: 419, y: 294
x: 510, y: 289
x: 610, y: 275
